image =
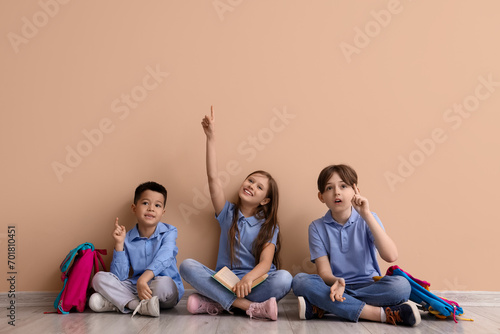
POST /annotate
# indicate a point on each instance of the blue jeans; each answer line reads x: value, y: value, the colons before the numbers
x: 278, y: 284
x: 390, y: 290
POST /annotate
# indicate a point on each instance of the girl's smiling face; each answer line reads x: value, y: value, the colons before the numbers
x: 254, y: 190
x: 337, y: 195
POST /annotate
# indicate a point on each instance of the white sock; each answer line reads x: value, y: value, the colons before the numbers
x: 131, y: 305
x: 383, y: 318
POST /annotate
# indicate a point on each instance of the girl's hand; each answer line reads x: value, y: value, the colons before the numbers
x: 337, y: 290
x: 359, y: 202
x: 119, y: 234
x: 243, y: 287
x: 208, y: 123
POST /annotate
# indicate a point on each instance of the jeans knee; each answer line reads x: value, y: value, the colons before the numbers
x: 401, y: 286
x: 298, y: 281
x: 186, y: 268
x: 283, y: 280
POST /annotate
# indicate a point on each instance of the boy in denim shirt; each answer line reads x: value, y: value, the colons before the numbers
x: 148, y: 249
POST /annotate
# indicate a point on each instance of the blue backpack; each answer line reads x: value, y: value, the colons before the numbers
x: 420, y: 294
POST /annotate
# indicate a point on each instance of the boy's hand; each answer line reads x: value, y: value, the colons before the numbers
x: 337, y: 290
x: 359, y: 202
x: 119, y: 235
x: 208, y: 123
x: 243, y: 287
x: 143, y: 290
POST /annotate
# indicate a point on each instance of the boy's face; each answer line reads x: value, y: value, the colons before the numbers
x: 149, y: 208
x: 337, y: 194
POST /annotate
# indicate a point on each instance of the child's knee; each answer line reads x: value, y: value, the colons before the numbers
x: 401, y: 286
x: 99, y: 279
x: 187, y: 267
x: 282, y: 281
x: 285, y: 279
x: 164, y: 287
x: 298, y: 281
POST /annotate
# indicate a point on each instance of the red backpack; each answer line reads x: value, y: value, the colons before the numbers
x: 77, y: 278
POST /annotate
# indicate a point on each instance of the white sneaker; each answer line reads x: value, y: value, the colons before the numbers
x: 149, y: 307
x: 98, y: 303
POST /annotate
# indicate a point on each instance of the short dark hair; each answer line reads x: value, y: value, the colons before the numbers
x: 153, y: 186
x: 346, y: 173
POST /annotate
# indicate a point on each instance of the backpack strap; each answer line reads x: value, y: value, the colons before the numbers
x: 71, y: 255
x: 98, y: 259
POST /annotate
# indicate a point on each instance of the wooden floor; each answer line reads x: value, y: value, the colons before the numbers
x: 30, y: 319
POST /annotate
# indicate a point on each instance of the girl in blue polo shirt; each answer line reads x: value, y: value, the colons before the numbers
x: 249, y: 245
x: 343, y: 245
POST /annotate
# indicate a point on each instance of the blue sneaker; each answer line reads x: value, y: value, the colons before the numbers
x: 308, y: 311
x: 404, y: 314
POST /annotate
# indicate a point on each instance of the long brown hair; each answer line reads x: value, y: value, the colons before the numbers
x: 269, y: 212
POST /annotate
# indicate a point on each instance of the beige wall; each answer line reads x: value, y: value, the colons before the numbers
x: 297, y: 85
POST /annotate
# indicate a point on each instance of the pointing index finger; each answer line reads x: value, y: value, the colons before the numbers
x: 116, y: 222
x: 212, y: 112
x: 356, y: 190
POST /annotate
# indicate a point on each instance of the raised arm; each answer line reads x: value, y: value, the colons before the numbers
x: 214, y: 183
x: 385, y: 245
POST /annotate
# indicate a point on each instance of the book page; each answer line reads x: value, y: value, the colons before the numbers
x: 227, y: 276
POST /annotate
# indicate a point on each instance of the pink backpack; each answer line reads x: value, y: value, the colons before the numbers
x: 77, y: 278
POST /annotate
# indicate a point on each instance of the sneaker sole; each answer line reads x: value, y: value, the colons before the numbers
x: 416, y: 313
x: 302, y: 308
x: 274, y: 309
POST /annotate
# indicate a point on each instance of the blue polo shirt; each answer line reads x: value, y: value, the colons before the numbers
x: 249, y: 228
x: 156, y: 253
x: 349, y: 247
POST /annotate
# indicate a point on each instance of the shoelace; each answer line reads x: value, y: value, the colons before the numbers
x: 319, y: 312
x: 392, y: 316
x: 258, y: 308
x: 212, y: 309
x: 142, y: 302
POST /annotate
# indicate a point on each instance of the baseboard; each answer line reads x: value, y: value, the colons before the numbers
x: 464, y: 298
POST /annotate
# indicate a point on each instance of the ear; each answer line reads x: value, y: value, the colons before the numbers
x: 265, y: 201
x: 133, y: 207
x: 320, y: 196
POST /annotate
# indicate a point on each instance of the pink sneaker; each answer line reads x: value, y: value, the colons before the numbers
x: 264, y: 310
x: 198, y: 304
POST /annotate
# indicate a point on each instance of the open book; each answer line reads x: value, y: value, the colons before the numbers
x: 227, y: 278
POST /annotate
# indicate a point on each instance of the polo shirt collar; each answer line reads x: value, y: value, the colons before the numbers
x: 252, y: 221
x: 328, y: 219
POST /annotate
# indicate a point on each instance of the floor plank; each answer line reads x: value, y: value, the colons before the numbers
x: 30, y: 319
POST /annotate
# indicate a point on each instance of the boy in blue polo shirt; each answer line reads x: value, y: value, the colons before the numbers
x: 343, y: 245
x: 149, y: 250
